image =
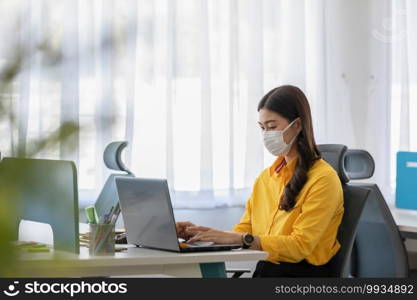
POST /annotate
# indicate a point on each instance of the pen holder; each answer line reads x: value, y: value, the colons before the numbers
x: 102, y: 239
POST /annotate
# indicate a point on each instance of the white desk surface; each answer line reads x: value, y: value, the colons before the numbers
x: 406, y: 219
x: 133, y: 261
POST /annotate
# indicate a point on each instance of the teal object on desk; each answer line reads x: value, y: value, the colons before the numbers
x: 406, y: 191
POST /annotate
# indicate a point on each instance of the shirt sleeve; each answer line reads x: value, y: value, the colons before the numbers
x: 317, y: 211
x: 245, y: 224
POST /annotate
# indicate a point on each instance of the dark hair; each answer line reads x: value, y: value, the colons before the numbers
x: 290, y: 102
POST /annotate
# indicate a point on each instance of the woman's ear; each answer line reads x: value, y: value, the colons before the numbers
x: 299, y: 125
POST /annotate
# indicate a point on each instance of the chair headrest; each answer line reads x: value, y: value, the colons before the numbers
x: 359, y: 164
x: 335, y: 154
x: 113, y: 156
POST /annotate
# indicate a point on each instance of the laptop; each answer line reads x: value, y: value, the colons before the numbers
x: 149, y: 219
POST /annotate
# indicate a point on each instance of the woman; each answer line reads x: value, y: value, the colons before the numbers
x: 296, y: 205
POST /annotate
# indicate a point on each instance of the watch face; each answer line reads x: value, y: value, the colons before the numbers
x: 248, y: 239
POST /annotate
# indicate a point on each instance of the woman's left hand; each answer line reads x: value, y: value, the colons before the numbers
x: 217, y: 236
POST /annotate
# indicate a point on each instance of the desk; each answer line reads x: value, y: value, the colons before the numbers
x: 406, y: 220
x: 133, y: 261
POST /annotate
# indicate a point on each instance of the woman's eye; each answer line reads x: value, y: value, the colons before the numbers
x: 271, y: 128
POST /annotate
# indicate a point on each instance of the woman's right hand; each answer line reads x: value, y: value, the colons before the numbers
x: 187, y: 230
x: 182, y: 229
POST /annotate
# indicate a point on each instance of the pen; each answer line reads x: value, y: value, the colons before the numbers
x: 109, y: 216
x: 116, y: 213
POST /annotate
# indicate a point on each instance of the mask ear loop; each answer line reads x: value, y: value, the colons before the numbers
x: 289, y: 125
x: 300, y: 126
x: 293, y: 139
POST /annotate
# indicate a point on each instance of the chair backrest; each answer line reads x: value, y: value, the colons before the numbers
x: 112, y: 156
x: 379, y: 249
x: 44, y: 191
x: 354, y: 202
x: 108, y: 196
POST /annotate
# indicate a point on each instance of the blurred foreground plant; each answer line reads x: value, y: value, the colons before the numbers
x: 63, y: 134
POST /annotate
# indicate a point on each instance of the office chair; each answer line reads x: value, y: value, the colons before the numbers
x: 355, y: 198
x: 379, y: 249
x: 108, y: 197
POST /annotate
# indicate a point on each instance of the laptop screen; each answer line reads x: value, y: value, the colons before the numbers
x: 147, y: 212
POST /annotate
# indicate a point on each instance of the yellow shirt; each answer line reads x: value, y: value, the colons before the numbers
x: 309, y: 230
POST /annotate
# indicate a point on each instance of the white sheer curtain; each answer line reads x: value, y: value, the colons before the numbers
x: 403, y: 38
x: 181, y: 79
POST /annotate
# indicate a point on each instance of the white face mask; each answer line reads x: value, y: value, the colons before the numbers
x: 274, y: 141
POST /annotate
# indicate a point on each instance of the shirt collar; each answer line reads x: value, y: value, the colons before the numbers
x: 287, y: 170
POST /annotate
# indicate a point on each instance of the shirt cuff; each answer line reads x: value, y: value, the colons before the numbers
x: 268, y: 244
x: 241, y: 229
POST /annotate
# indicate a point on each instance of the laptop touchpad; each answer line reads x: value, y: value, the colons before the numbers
x: 200, y: 244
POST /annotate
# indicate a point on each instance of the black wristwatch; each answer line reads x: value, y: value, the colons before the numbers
x: 247, y: 240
